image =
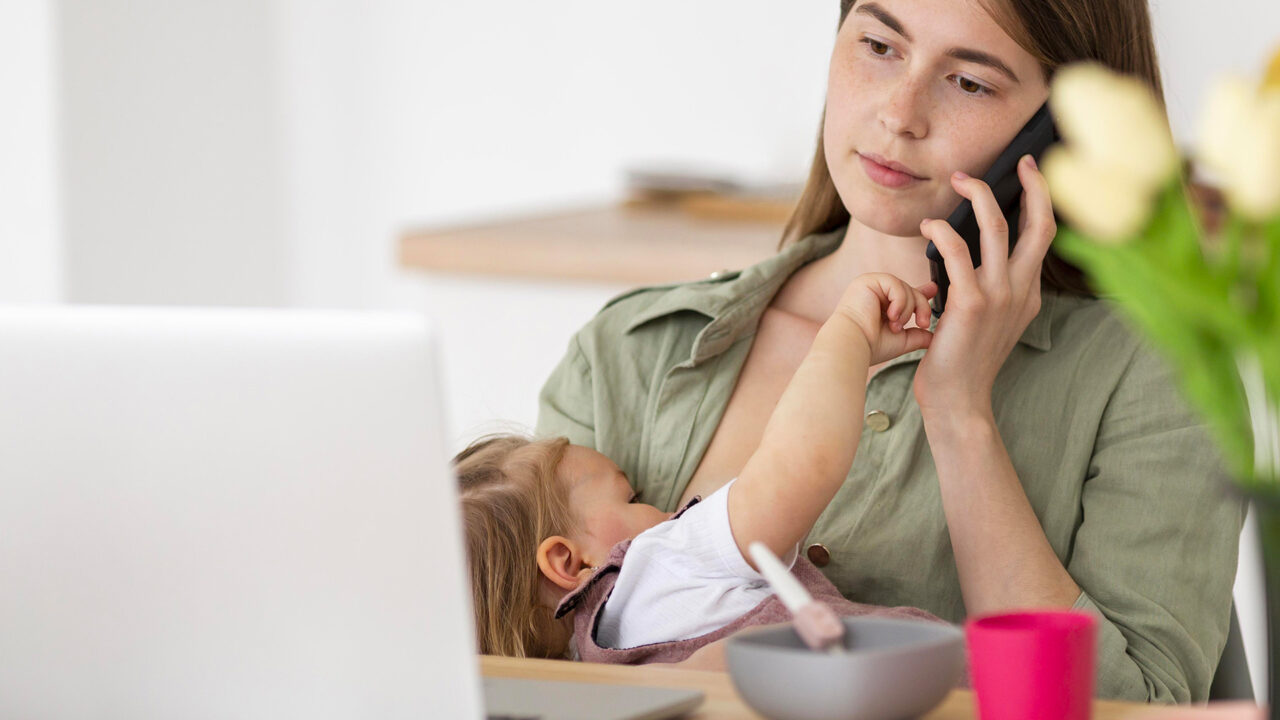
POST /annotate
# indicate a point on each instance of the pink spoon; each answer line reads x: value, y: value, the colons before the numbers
x: 816, y: 624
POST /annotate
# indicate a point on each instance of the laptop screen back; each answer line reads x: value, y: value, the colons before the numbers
x: 227, y: 514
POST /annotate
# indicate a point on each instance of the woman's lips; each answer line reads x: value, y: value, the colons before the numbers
x: 886, y: 176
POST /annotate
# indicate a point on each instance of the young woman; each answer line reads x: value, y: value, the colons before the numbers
x: 1037, y: 454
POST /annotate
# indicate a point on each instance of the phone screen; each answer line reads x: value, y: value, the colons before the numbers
x: 1034, y: 138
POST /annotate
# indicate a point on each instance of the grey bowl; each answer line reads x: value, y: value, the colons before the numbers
x: 891, y: 669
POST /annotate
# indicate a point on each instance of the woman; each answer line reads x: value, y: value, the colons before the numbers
x: 1037, y: 454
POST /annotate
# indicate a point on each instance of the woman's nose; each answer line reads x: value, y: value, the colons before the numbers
x: 903, y: 112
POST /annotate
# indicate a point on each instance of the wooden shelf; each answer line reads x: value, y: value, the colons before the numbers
x: 631, y: 244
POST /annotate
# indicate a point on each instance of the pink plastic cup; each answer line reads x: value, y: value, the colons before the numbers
x: 1035, y: 664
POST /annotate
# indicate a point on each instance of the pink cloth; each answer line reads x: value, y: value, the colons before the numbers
x: 589, y: 599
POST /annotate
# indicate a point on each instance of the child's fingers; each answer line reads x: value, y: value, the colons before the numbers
x: 911, y: 301
x: 917, y: 338
x: 922, y: 310
x: 899, y: 301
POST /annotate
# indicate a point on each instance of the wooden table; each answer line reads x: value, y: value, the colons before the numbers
x: 626, y: 244
x: 722, y: 701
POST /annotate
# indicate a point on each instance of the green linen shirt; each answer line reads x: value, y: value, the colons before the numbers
x: 1124, y: 479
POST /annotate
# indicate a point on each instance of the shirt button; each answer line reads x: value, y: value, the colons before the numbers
x: 818, y: 554
x: 878, y: 421
x: 718, y: 274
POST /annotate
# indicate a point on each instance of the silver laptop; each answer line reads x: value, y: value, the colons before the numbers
x: 230, y: 514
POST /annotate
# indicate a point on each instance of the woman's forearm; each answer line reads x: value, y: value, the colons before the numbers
x: 1002, y: 555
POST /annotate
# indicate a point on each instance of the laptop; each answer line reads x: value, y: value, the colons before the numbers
x: 232, y: 514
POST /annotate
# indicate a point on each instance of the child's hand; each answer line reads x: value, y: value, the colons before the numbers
x: 880, y: 305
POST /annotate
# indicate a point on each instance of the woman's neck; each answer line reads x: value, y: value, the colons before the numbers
x: 814, y: 291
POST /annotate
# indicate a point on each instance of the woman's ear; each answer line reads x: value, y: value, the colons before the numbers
x: 560, y: 561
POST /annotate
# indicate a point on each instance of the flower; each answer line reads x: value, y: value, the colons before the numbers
x: 1271, y: 80
x: 1105, y: 204
x: 1119, y: 151
x: 1240, y: 142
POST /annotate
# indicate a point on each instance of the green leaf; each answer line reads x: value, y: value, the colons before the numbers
x: 1162, y: 284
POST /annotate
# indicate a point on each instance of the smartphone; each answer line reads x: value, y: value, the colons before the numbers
x: 1034, y: 138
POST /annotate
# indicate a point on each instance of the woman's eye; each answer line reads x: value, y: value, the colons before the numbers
x: 969, y: 87
x: 875, y: 46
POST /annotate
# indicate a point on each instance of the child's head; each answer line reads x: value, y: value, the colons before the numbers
x: 538, y: 515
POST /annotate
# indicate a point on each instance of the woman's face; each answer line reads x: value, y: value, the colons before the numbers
x: 934, y: 86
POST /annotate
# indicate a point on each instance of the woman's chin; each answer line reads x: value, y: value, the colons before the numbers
x: 900, y: 223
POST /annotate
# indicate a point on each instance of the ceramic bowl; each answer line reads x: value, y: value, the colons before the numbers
x: 891, y: 669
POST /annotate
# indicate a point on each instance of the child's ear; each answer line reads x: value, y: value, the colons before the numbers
x: 560, y: 561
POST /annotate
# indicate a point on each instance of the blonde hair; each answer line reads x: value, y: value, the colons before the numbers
x: 1116, y: 33
x: 511, y: 502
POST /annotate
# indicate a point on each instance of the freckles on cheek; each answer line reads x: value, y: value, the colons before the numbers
x: 977, y: 139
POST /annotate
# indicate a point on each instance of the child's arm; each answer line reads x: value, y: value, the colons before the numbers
x: 809, y: 442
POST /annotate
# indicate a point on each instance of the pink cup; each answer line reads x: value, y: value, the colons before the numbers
x: 1035, y: 664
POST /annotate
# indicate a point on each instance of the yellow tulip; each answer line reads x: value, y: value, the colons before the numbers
x: 1240, y: 144
x: 1114, y: 121
x: 1105, y: 204
x: 1272, y: 78
x: 1118, y: 153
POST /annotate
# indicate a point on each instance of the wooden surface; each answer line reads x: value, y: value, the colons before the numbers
x: 722, y: 701
x: 628, y: 244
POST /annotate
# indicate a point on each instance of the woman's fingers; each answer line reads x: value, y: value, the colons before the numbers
x: 1039, y: 227
x: 994, y: 238
x: 955, y: 255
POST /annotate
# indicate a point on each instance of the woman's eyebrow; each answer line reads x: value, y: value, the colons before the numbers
x: 966, y: 54
x: 883, y: 16
x: 983, y: 58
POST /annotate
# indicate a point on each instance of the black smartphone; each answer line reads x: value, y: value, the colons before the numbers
x: 1034, y: 138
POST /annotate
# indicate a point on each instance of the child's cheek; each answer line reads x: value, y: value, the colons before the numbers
x: 610, y: 528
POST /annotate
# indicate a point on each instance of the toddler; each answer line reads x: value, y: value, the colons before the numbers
x: 565, y: 561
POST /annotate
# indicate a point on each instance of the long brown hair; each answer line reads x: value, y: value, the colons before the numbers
x: 1116, y: 33
x: 512, y: 501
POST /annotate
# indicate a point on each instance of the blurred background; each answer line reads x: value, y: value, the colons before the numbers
x: 397, y: 154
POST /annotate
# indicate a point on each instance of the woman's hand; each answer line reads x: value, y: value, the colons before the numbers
x: 988, y: 308
x: 880, y: 305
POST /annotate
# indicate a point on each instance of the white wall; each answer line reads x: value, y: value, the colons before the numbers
x: 30, y: 250
x: 251, y: 152
x: 1199, y: 42
x: 407, y: 113
x: 171, y: 152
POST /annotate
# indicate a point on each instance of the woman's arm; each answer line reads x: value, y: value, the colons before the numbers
x: 1154, y: 556
x: 1002, y: 555
x: 1155, y: 552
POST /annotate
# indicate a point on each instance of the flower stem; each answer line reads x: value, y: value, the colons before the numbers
x: 1263, y: 416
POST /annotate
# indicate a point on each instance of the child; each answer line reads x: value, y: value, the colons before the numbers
x: 564, y: 560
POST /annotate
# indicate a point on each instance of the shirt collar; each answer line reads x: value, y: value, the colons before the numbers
x: 734, y: 302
